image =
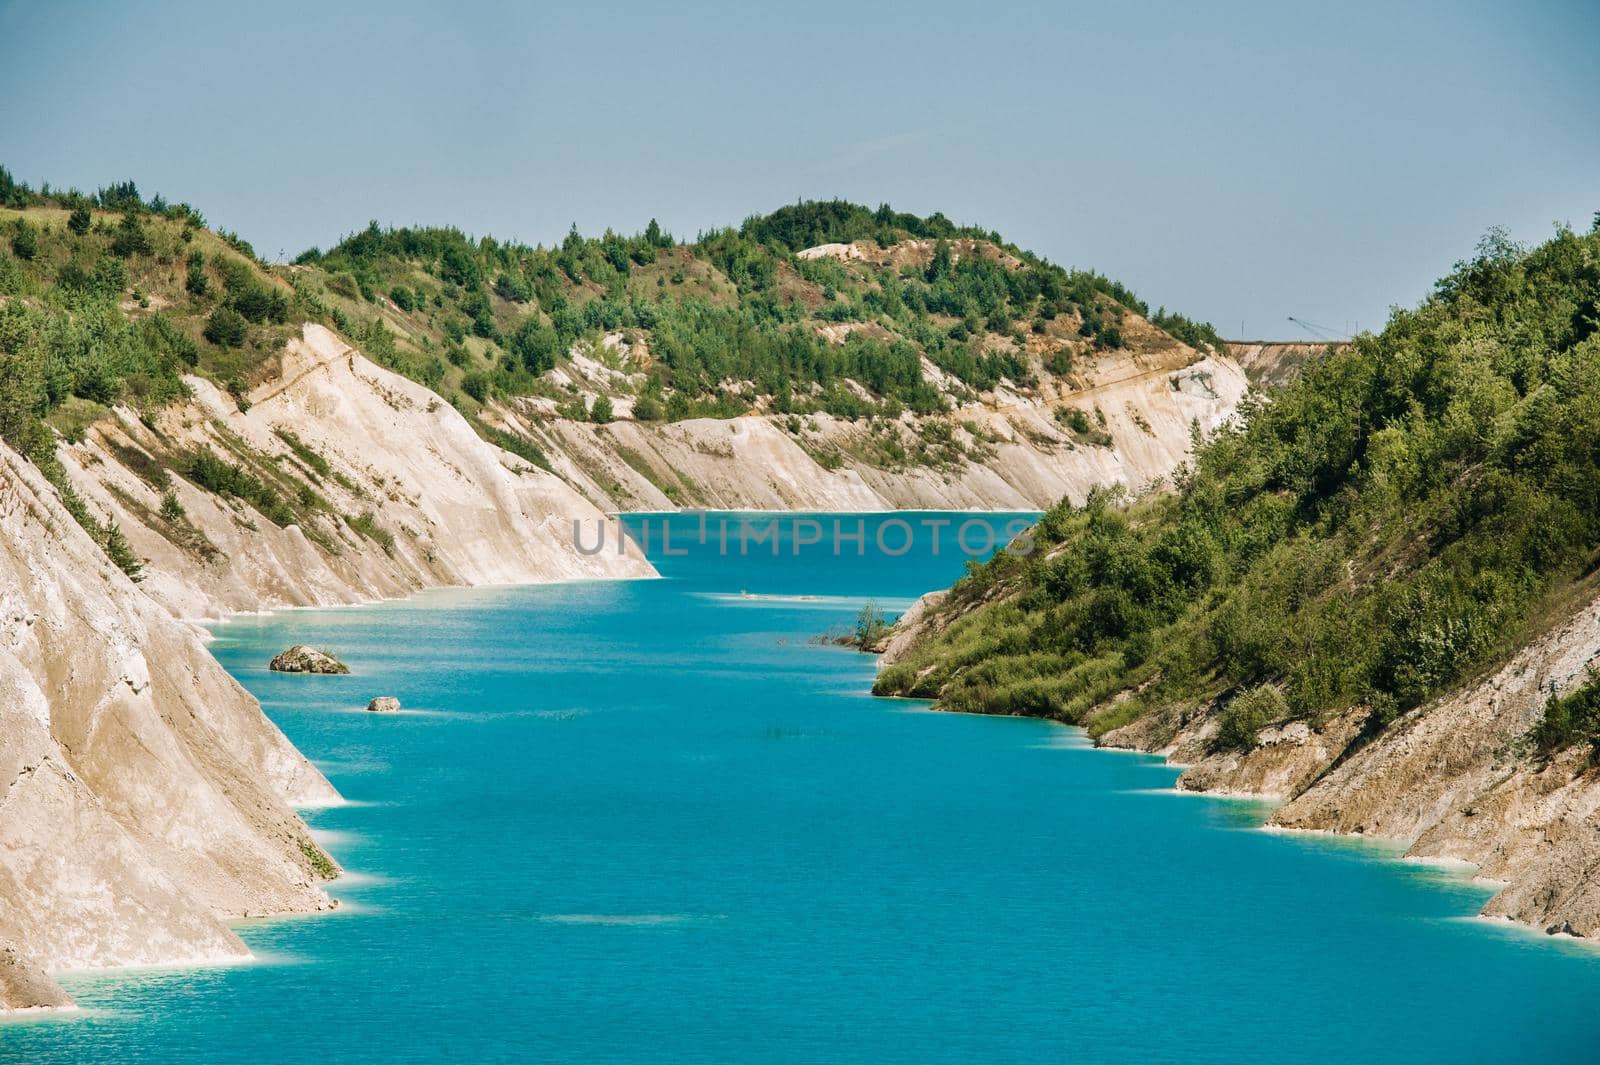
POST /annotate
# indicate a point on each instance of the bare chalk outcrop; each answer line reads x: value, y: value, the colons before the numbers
x: 410, y: 497
x: 145, y: 800
x: 1010, y: 449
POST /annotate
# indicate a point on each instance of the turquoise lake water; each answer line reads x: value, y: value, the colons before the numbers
x: 648, y: 821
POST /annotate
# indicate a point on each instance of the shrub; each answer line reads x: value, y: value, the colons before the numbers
x: 343, y: 284
x: 79, y: 220
x: 1572, y: 718
x: 319, y: 861
x: 367, y: 525
x: 258, y: 303
x: 195, y: 283
x: 511, y: 288
x: 25, y: 244
x: 1074, y: 419
x: 515, y: 443
x: 165, y: 334
x: 536, y: 344
x: 477, y: 385
x: 647, y: 408
x: 229, y: 480
x: 601, y: 413
x: 304, y: 451
x: 110, y: 277
x: 171, y: 507
x: 1247, y: 714
x: 131, y: 238
x: 226, y: 328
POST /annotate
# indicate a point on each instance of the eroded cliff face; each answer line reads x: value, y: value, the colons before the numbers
x: 1274, y: 363
x: 1455, y: 779
x: 1008, y: 449
x: 401, y: 493
x: 146, y: 799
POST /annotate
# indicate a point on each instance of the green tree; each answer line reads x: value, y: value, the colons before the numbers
x: 477, y: 385
x: 871, y: 625
x: 226, y: 328
x: 647, y: 408
x: 512, y: 288
x: 195, y: 283
x: 601, y: 413
x: 121, y: 552
x: 26, y: 241
x: 536, y: 344
x: 1247, y: 714
x: 80, y: 220
x: 131, y: 238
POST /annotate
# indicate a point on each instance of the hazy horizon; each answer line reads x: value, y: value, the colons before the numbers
x: 1240, y: 164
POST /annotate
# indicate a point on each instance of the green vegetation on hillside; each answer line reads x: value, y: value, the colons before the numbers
x: 737, y: 307
x: 112, y: 299
x: 1398, y: 518
x: 1572, y: 717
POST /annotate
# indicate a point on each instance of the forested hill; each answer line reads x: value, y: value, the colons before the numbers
x: 737, y: 317
x: 1408, y: 513
x: 802, y: 305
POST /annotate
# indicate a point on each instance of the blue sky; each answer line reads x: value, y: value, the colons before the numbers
x: 1240, y: 162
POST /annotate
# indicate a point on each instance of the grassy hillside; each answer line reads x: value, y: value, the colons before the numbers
x: 736, y: 317
x: 1403, y: 515
x: 112, y: 298
x: 109, y: 299
x: 734, y: 320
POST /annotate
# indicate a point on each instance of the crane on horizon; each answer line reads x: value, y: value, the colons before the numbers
x: 1318, y: 332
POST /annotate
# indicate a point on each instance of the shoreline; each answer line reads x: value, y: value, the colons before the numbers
x: 205, y: 623
x: 337, y: 906
x: 1467, y: 868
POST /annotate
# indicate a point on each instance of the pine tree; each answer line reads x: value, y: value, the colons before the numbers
x: 26, y: 243
x: 121, y: 552
x: 196, y: 283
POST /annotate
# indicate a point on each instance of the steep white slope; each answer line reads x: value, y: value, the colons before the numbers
x: 144, y: 797
x: 461, y: 511
x: 1003, y: 450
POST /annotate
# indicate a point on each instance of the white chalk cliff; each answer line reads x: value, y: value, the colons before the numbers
x: 145, y: 800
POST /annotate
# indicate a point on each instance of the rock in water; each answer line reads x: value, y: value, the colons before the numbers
x: 384, y: 704
x: 303, y: 659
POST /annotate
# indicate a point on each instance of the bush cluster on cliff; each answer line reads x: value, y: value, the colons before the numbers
x: 96, y: 313
x: 1397, y: 518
